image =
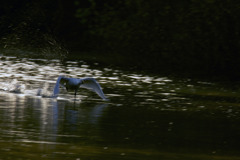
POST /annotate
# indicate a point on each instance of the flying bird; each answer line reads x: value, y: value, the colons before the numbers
x: 73, y: 84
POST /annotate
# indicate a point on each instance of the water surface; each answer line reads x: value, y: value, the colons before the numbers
x: 147, y: 117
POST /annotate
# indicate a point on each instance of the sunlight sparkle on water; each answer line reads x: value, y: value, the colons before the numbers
x: 145, y: 114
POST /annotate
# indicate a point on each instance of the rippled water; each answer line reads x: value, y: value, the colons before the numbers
x: 147, y: 117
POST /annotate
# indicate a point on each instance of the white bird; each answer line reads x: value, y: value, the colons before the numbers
x: 75, y: 83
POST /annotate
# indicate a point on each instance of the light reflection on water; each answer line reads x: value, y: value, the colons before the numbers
x: 147, y: 117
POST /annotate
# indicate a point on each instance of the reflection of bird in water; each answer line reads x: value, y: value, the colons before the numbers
x: 75, y: 83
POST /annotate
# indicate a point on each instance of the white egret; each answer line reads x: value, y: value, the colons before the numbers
x: 75, y: 83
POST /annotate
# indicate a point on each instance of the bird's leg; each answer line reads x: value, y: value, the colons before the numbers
x: 75, y: 94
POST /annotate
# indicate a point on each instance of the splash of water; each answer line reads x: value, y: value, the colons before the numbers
x: 13, y: 86
x: 44, y: 92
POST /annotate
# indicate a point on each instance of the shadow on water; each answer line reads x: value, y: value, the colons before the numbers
x: 147, y: 117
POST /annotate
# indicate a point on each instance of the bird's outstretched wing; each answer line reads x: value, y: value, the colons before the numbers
x: 60, y: 81
x: 92, y: 84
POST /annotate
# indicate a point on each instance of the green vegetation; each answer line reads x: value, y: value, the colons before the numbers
x: 195, y: 37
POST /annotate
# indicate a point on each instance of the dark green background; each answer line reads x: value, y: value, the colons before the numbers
x: 198, y: 38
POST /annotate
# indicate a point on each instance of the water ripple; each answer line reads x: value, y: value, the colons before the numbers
x: 37, y: 77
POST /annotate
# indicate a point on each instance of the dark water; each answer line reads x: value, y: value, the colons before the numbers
x: 148, y: 117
